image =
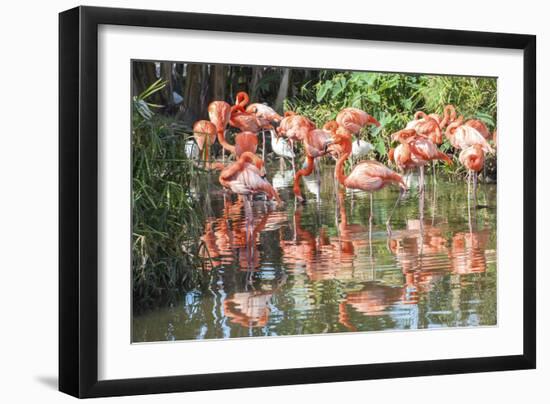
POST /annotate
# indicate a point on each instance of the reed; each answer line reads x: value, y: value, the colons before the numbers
x: 167, y: 216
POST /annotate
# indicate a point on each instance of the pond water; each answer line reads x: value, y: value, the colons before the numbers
x: 324, y: 267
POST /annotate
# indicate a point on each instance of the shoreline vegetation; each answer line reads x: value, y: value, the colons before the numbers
x: 169, y: 217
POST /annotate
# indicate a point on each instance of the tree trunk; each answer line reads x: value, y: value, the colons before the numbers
x: 167, y: 93
x: 218, y: 75
x: 190, y: 108
x: 144, y: 74
x: 283, y: 90
x: 253, y: 89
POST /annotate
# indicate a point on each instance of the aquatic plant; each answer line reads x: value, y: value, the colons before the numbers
x: 167, y: 218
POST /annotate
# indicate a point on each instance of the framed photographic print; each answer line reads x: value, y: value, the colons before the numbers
x: 252, y: 201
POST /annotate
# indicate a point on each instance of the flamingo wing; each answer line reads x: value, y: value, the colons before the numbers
x: 479, y: 126
x: 371, y: 175
x: 466, y: 136
x: 219, y: 113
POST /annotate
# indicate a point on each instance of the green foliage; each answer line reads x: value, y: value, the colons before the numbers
x: 141, y: 106
x: 393, y: 98
x: 167, y: 217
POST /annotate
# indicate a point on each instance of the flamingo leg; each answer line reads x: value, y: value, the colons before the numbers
x: 263, y: 145
x: 281, y: 164
x: 433, y: 173
x: 469, y: 212
x: 475, y: 188
x: 370, y: 225
x: 388, y: 225
x: 318, y: 178
x: 421, y: 181
x: 370, y: 215
x: 293, y: 162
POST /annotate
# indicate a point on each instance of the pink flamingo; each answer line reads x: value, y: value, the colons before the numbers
x: 367, y: 176
x: 314, y: 145
x: 294, y: 127
x: 204, y: 133
x: 480, y: 127
x: 462, y: 136
x: 246, y: 177
x: 473, y: 158
x: 248, y: 119
x: 219, y: 113
x: 416, y: 151
x: 222, y: 114
x: 430, y: 126
x: 354, y: 119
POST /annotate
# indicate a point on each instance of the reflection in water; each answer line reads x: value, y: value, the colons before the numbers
x: 329, y: 266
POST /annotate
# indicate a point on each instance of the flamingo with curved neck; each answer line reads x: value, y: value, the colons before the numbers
x: 473, y: 158
x: 462, y: 136
x: 219, y: 113
x: 314, y: 146
x: 369, y: 176
x: 246, y: 177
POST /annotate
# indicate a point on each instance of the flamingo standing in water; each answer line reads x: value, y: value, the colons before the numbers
x: 360, y: 148
x: 416, y: 151
x: 219, y: 113
x: 367, y: 176
x: 246, y: 177
x: 462, y: 136
x: 204, y: 134
x: 480, y: 127
x: 247, y: 139
x: 473, y: 158
x: 295, y: 127
x: 429, y: 126
x: 249, y: 119
x: 354, y: 119
x: 314, y: 145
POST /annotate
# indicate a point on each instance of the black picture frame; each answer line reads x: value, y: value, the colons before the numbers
x: 78, y: 201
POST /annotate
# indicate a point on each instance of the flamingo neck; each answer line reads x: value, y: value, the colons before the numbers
x: 221, y: 138
x: 242, y: 99
x: 419, y: 115
x: 339, y: 169
x: 449, y: 115
x: 307, y: 170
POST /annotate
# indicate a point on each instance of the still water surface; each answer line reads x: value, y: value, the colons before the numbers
x: 324, y: 267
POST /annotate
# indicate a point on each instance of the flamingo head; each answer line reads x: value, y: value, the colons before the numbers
x: 453, y: 125
x: 449, y: 115
x: 404, y: 135
x: 373, y: 121
x: 419, y: 115
x: 339, y: 142
x: 242, y: 99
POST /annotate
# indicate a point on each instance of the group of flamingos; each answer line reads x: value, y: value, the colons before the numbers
x: 418, y: 145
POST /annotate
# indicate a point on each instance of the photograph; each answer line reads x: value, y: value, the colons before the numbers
x: 276, y: 201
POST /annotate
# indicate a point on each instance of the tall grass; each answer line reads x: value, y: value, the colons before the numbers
x: 167, y: 217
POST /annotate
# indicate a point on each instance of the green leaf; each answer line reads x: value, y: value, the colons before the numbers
x: 323, y: 89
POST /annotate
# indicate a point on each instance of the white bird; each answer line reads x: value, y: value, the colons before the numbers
x: 360, y: 148
x: 282, y: 179
x: 281, y: 147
